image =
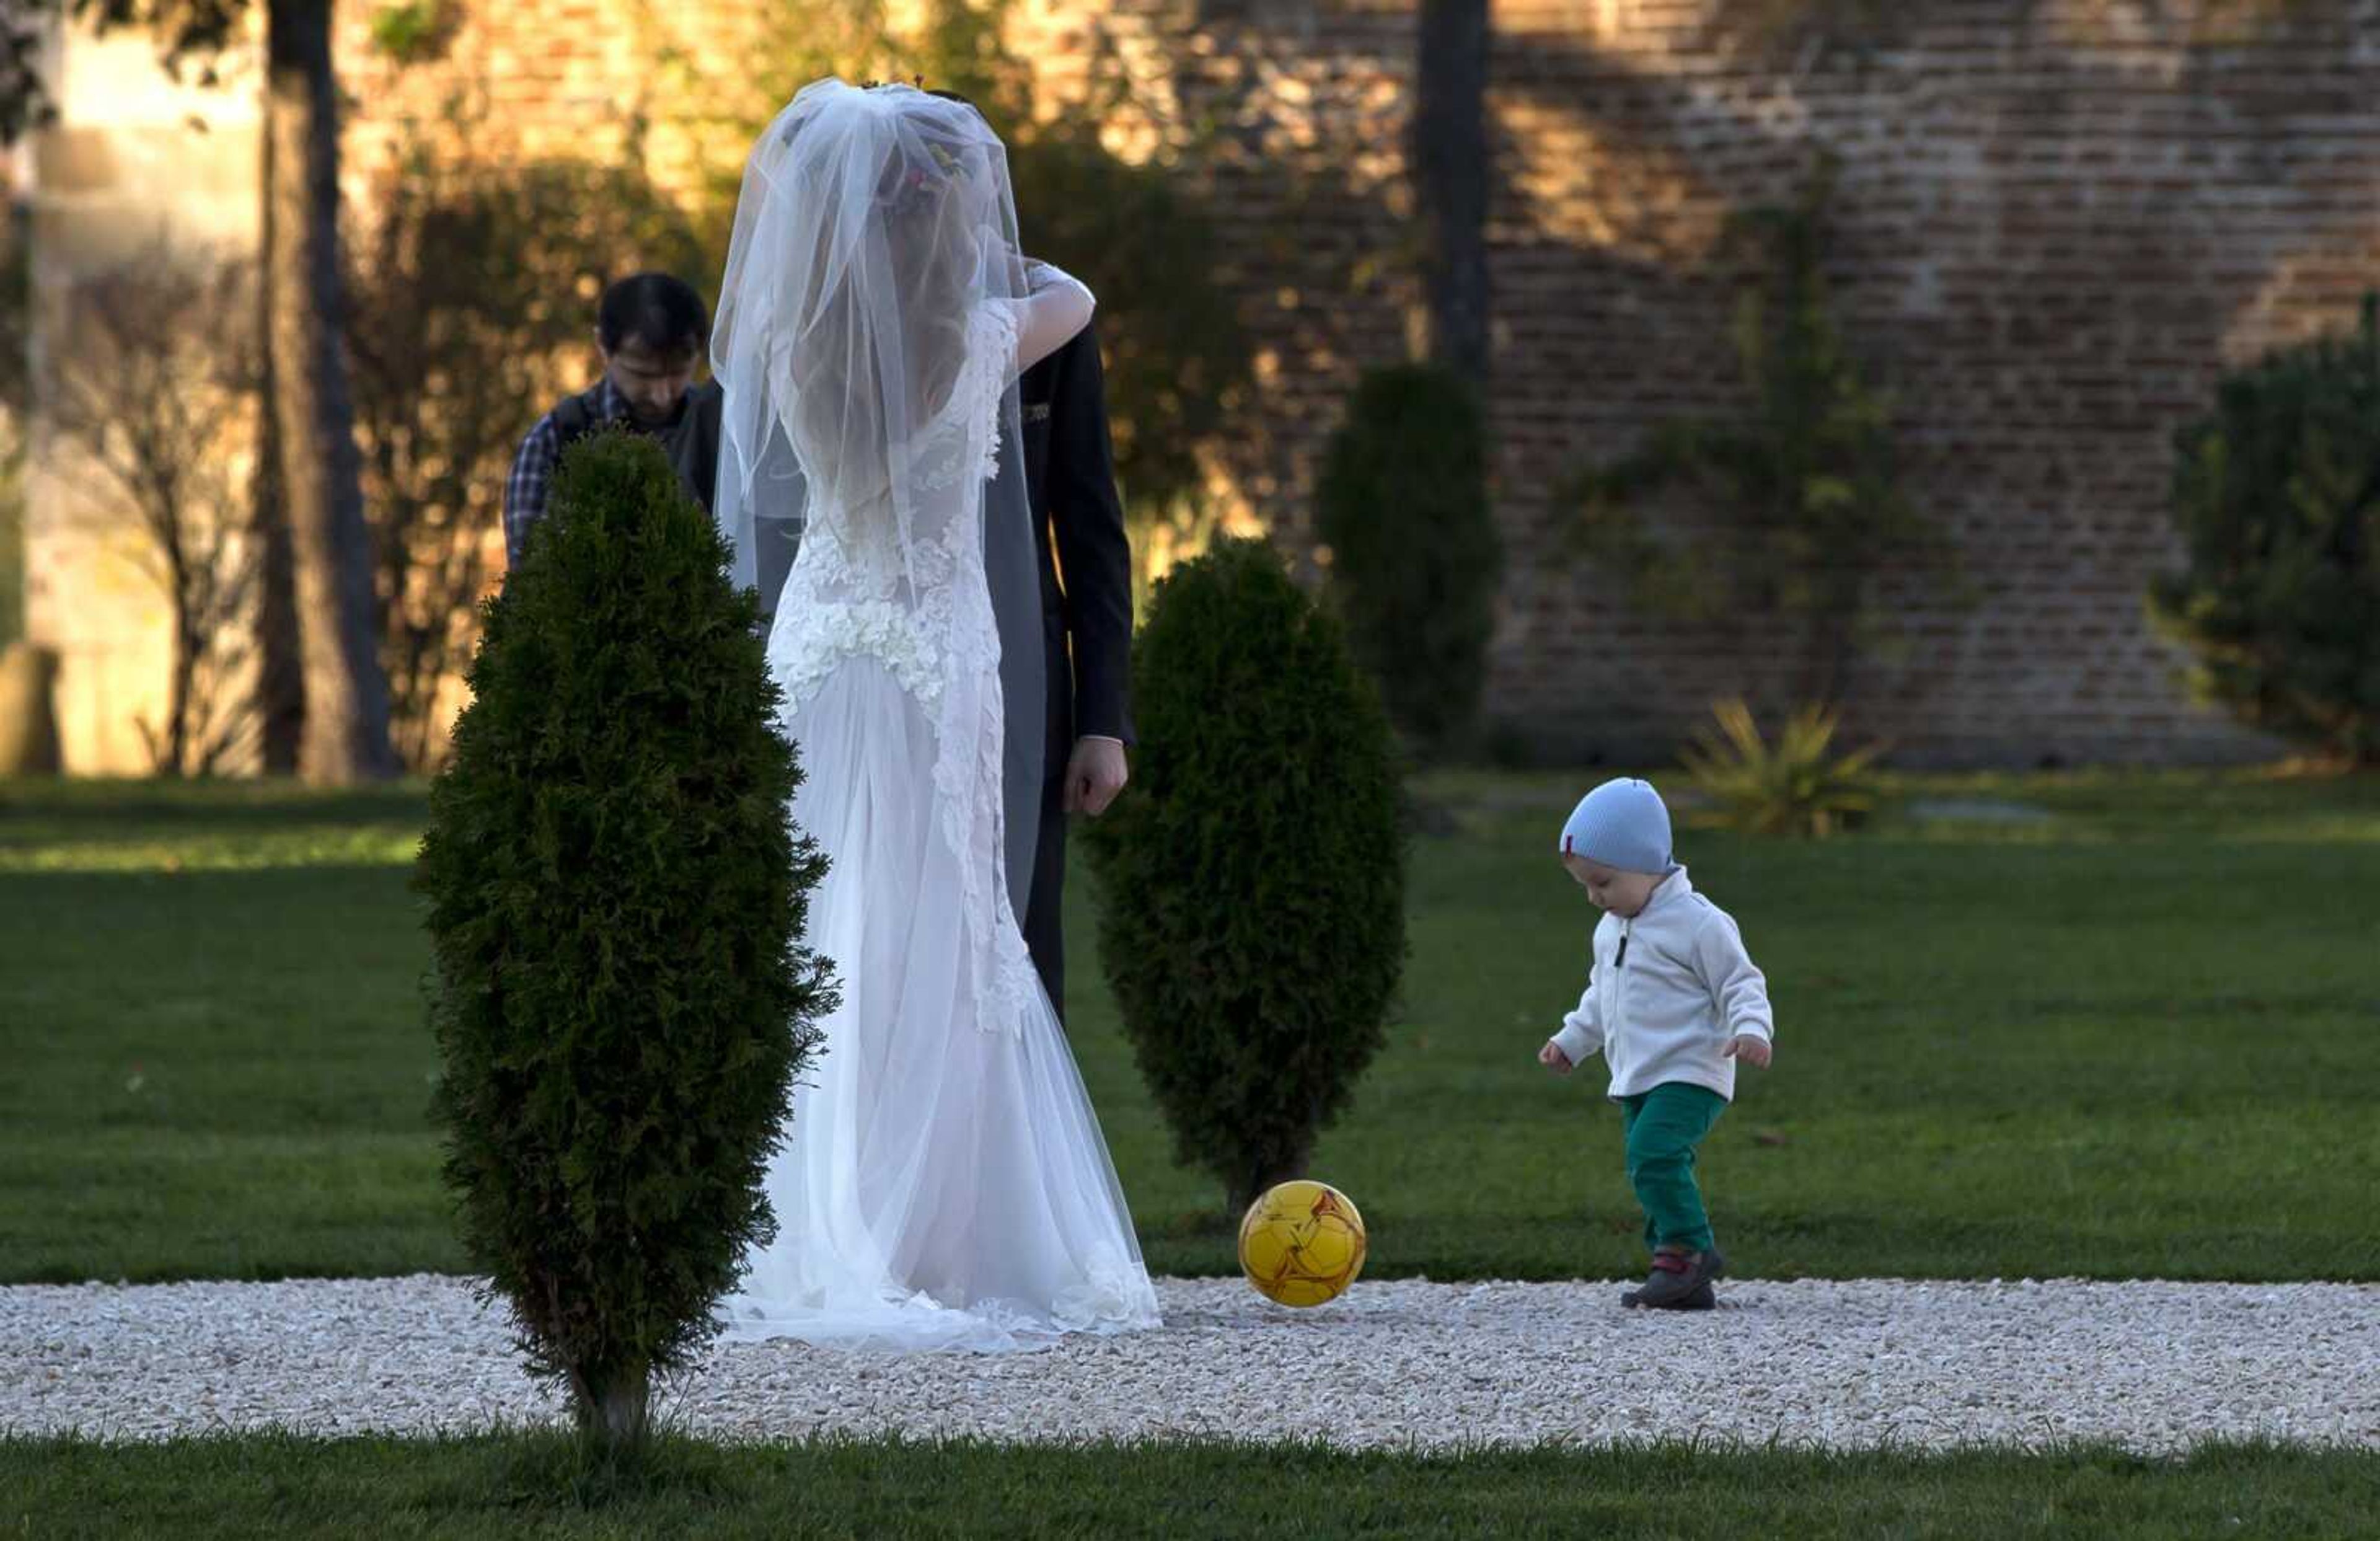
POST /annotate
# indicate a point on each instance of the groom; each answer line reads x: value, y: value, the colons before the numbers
x: 1087, y: 619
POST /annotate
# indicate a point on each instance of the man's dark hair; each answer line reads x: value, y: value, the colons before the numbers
x: 655, y: 308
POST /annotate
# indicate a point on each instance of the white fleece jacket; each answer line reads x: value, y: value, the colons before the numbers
x: 1669, y: 988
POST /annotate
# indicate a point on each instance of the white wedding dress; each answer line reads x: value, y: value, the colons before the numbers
x: 943, y: 1182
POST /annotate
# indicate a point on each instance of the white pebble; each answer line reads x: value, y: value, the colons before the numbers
x: 2151, y: 1366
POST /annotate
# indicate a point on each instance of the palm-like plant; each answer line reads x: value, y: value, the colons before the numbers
x: 1795, y: 786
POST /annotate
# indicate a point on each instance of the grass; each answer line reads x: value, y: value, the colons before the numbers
x: 536, y: 1484
x: 2131, y: 1039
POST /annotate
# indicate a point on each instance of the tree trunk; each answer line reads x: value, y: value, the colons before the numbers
x: 614, y: 1406
x: 1452, y: 175
x: 280, y: 701
x: 345, y: 736
x: 182, y: 688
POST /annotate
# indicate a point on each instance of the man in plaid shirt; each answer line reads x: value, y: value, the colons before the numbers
x: 650, y: 330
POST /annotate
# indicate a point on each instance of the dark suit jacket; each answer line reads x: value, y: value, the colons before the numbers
x: 1070, y: 473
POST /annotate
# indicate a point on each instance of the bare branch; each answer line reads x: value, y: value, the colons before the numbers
x: 153, y: 384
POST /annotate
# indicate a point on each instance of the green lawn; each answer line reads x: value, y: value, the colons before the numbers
x: 533, y: 1486
x: 2133, y: 1039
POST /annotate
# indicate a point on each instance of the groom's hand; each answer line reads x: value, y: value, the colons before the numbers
x: 1095, y: 775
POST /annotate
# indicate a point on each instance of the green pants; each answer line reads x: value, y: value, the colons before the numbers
x: 1663, y: 1127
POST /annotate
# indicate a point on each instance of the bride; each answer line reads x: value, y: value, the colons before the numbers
x: 943, y: 1182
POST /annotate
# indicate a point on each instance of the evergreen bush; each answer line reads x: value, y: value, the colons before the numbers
x: 1414, y: 558
x: 615, y: 902
x: 1253, y: 878
x: 2276, y: 493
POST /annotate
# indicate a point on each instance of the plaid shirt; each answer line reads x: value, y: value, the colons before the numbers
x: 532, y: 478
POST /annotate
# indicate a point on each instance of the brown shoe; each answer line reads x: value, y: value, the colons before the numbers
x: 1703, y: 1299
x: 1677, y: 1278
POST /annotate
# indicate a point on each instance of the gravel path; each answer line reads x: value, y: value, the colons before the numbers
x: 2152, y: 1367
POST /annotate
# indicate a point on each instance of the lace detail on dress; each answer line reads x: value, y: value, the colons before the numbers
x: 844, y: 602
x: 833, y: 632
x: 993, y: 360
x: 967, y: 771
x: 964, y: 440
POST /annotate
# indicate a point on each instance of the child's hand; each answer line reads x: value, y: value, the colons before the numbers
x: 1553, y: 1058
x: 1751, y: 1050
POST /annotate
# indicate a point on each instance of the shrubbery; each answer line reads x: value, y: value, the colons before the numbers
x: 615, y: 899
x: 1414, y: 558
x: 2277, y: 496
x: 1253, y: 879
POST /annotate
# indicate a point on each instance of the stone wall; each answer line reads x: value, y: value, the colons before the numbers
x: 2061, y: 221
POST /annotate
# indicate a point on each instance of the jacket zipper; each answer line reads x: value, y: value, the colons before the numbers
x: 1619, y: 992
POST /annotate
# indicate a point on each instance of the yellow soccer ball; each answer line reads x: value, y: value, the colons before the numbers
x: 1301, y: 1242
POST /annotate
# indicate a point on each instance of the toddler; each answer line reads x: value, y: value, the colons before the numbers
x: 1673, y: 1001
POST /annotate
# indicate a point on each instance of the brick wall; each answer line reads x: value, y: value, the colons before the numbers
x: 2060, y: 221
x: 1305, y: 107
x: 2060, y: 224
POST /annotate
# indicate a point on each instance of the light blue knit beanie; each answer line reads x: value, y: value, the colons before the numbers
x: 1624, y: 824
